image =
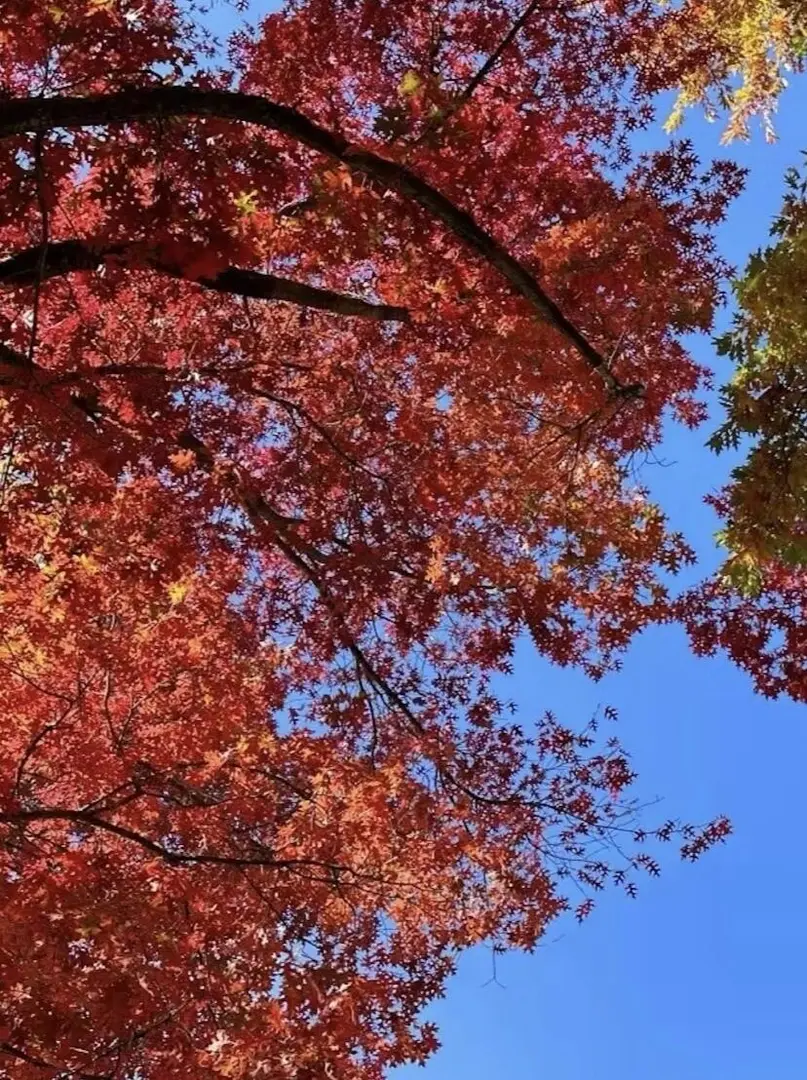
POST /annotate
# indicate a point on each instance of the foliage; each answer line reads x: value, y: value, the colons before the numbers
x: 321, y: 379
x: 733, y: 56
x: 755, y: 608
x: 765, y: 400
x: 728, y: 55
x: 761, y: 628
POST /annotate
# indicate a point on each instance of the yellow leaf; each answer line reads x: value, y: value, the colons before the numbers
x: 245, y: 202
x: 87, y: 563
x: 409, y: 84
x: 178, y: 590
x: 436, y: 566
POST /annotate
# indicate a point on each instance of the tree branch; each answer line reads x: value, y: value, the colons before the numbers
x: 479, y: 77
x: 22, y: 1055
x: 497, y: 53
x: 28, y: 114
x: 68, y: 256
x: 173, y: 858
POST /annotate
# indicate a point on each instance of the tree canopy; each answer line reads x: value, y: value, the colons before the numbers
x: 324, y: 366
x: 734, y: 57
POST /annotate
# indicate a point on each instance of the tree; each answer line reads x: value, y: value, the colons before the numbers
x: 764, y: 400
x: 732, y: 57
x: 322, y: 376
x: 755, y: 608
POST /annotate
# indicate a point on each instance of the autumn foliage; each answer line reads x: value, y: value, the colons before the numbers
x: 731, y: 57
x: 756, y: 606
x: 323, y: 368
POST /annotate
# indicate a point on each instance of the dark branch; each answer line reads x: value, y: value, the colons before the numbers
x: 261, y: 514
x: 30, y: 1059
x: 65, y: 257
x: 173, y: 858
x: 479, y: 77
x: 498, y: 52
x: 152, y: 103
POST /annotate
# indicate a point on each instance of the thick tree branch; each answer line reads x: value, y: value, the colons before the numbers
x: 67, y: 256
x: 34, y: 114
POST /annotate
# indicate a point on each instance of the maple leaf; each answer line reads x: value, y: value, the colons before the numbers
x: 245, y: 203
x: 218, y: 1043
x: 178, y: 590
x: 730, y: 57
x: 409, y: 84
x: 754, y: 605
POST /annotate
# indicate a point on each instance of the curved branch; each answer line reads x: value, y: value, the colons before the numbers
x: 22, y: 115
x: 173, y: 858
x: 67, y: 256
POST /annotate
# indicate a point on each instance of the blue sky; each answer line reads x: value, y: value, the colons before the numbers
x: 704, y: 976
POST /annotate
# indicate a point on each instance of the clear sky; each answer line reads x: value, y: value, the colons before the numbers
x: 704, y: 975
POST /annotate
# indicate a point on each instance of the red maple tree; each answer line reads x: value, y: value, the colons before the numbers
x: 321, y: 377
